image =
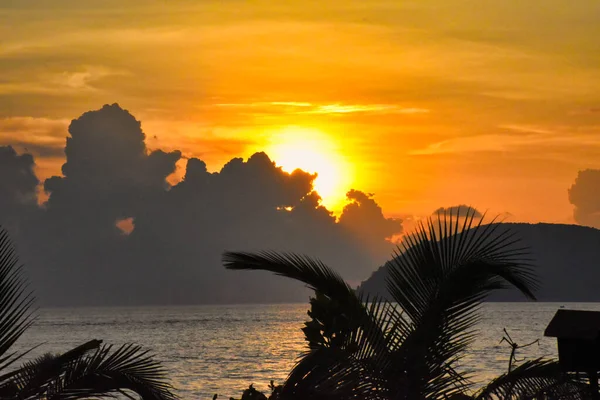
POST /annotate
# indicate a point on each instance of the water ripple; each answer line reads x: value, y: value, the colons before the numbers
x: 222, y: 349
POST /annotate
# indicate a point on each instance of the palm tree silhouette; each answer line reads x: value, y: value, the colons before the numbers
x: 409, y: 348
x: 91, y: 370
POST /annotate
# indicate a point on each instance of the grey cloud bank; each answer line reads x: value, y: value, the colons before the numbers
x: 77, y: 255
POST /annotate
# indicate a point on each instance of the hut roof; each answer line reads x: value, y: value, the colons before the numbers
x: 574, y: 324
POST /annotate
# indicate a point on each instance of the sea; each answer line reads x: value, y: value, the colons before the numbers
x: 222, y: 349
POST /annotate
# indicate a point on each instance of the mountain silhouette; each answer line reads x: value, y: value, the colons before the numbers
x: 567, y: 260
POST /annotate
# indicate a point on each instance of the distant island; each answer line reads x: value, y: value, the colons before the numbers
x: 567, y: 258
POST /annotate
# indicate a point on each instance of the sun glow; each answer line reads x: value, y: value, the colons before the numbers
x: 313, y: 151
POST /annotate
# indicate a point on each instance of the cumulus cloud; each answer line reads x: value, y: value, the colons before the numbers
x: 17, y: 178
x: 583, y: 194
x: 460, y: 210
x: 108, y: 166
x: 114, y: 231
x: 364, y: 219
x: 18, y: 187
x: 18, y: 192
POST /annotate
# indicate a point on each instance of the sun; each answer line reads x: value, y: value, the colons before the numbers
x: 312, y: 151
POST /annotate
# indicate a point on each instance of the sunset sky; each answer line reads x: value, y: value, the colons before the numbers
x: 494, y: 104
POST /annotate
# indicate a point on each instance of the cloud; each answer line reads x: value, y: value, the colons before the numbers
x: 291, y: 103
x: 365, y: 108
x: 42, y: 137
x: 108, y: 167
x: 469, y: 144
x: 461, y: 210
x: 295, y: 107
x: 114, y: 231
x: 17, y: 178
x: 583, y: 194
x: 18, y: 188
x: 527, y: 129
x: 364, y: 218
x: 75, y: 81
x: 585, y: 111
x: 86, y: 37
x: 83, y: 79
x: 193, y: 138
x: 518, y: 138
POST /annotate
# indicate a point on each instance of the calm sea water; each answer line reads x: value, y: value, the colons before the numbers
x: 222, y: 349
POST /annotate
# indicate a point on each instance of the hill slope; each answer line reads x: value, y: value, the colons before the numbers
x: 567, y: 258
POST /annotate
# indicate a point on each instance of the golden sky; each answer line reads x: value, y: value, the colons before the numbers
x: 424, y: 103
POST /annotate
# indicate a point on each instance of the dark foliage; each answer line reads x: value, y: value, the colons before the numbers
x: 360, y: 348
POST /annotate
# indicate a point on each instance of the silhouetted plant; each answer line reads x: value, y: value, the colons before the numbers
x: 361, y: 348
x: 252, y: 394
x: 91, y: 370
x: 275, y: 391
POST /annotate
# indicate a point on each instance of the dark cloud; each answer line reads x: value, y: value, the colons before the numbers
x: 18, y: 190
x: 108, y: 166
x: 113, y: 230
x: 18, y: 182
x: 460, y: 210
x: 18, y: 186
x: 583, y: 194
x: 364, y: 219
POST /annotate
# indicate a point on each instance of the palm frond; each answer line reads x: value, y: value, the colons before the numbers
x: 106, y: 373
x: 16, y: 302
x: 308, y: 270
x: 535, y: 379
x: 362, y: 349
x: 436, y: 249
x: 440, y: 277
x: 349, y: 335
x: 328, y: 373
x: 336, y: 309
x: 34, y: 376
x: 358, y: 365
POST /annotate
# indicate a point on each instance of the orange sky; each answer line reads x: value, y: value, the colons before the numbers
x: 425, y: 103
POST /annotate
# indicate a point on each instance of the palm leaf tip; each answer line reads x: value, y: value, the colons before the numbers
x: 311, y: 271
x: 15, y: 299
x: 440, y: 277
x: 128, y: 369
x: 538, y: 378
x: 442, y: 246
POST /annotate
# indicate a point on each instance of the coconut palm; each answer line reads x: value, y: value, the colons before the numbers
x: 91, y: 370
x: 409, y: 347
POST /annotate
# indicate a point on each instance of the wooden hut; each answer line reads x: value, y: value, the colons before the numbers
x: 578, y: 336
